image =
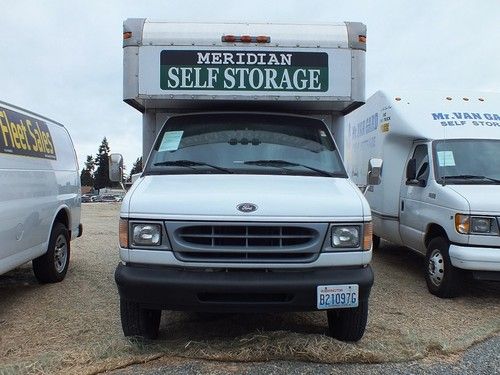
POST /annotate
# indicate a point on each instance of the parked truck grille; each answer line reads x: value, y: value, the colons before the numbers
x: 247, y: 242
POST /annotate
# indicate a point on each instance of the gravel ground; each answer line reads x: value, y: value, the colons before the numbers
x: 483, y: 358
x: 73, y: 327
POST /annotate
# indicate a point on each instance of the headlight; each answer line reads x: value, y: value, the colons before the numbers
x: 481, y: 225
x: 345, y: 236
x: 146, y: 234
x: 466, y: 224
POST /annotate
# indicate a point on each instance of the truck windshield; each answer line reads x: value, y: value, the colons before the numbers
x: 467, y: 161
x: 245, y: 143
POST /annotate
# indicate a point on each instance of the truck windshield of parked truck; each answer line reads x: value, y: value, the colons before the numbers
x: 467, y: 161
x: 245, y: 143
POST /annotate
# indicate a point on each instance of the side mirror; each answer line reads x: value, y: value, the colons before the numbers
x: 374, y: 171
x: 116, y: 167
x: 411, y: 170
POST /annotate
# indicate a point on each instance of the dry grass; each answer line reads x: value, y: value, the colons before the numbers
x: 74, y: 327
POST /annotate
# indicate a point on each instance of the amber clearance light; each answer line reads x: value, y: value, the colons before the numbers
x: 367, y: 236
x: 123, y: 233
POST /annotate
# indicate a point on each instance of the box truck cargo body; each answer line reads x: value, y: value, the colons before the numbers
x: 244, y: 203
x: 440, y: 179
x: 39, y: 193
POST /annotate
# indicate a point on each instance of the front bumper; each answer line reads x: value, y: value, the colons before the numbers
x: 475, y: 258
x: 233, y: 290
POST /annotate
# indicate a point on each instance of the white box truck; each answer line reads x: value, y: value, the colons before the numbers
x: 40, y: 195
x: 244, y: 204
x: 440, y: 181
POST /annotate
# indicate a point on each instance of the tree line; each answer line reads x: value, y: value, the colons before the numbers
x: 95, y: 172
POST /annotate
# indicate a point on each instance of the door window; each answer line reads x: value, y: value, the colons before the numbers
x: 421, y: 155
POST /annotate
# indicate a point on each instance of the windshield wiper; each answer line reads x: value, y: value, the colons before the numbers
x: 190, y: 164
x: 471, y: 177
x: 283, y: 163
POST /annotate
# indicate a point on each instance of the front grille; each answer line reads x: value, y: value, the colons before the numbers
x: 237, y: 242
x: 246, y: 236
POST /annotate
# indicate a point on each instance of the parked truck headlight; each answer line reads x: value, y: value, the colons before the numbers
x: 466, y: 224
x: 484, y: 225
x: 345, y: 236
x: 146, y: 234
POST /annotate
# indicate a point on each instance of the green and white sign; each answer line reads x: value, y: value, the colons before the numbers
x: 263, y: 71
x: 183, y: 72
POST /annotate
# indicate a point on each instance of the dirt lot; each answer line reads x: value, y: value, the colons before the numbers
x: 74, y: 326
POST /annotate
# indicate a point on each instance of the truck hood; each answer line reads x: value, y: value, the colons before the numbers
x: 216, y: 197
x: 481, y: 198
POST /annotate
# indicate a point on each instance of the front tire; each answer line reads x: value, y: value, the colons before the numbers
x: 52, y: 266
x: 137, y: 321
x: 442, y: 278
x: 348, y: 324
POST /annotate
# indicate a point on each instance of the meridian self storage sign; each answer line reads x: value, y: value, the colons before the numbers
x: 244, y: 70
x: 186, y: 71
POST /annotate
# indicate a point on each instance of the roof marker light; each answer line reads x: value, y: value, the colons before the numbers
x: 398, y: 98
x: 229, y: 38
x: 246, y: 39
x: 448, y: 98
x: 362, y: 38
x: 466, y: 99
x: 481, y: 99
x: 127, y: 34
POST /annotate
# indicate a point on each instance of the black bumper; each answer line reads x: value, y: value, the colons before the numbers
x: 233, y: 291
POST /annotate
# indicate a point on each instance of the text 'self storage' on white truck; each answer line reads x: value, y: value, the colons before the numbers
x: 440, y: 183
x: 244, y: 203
x: 40, y: 196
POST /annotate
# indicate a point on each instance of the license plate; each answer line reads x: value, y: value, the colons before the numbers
x: 337, y: 296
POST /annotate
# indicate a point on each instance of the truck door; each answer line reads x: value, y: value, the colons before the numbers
x: 412, y: 207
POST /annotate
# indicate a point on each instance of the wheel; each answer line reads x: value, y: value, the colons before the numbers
x: 348, y: 324
x: 52, y: 266
x: 443, y: 280
x: 137, y: 321
x: 376, y: 241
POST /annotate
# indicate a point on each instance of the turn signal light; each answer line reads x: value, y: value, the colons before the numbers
x: 367, y: 236
x: 123, y: 233
x: 462, y: 223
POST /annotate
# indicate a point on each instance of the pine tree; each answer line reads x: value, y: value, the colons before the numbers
x: 86, y: 177
x: 136, y: 168
x: 101, y: 175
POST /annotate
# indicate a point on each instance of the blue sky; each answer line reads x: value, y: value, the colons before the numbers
x: 63, y: 59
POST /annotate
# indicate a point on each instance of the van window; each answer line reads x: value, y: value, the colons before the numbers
x: 467, y: 161
x: 421, y: 155
x: 245, y: 143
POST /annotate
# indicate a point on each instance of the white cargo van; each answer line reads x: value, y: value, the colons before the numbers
x: 440, y: 183
x: 39, y: 193
x: 244, y: 204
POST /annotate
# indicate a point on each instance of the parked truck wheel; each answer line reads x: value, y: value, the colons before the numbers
x: 348, y: 324
x: 443, y: 279
x: 376, y: 241
x: 137, y: 321
x: 52, y: 266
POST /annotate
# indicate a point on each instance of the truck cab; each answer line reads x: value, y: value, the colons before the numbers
x: 244, y: 204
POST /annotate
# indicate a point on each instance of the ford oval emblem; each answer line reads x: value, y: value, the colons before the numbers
x: 246, y: 207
